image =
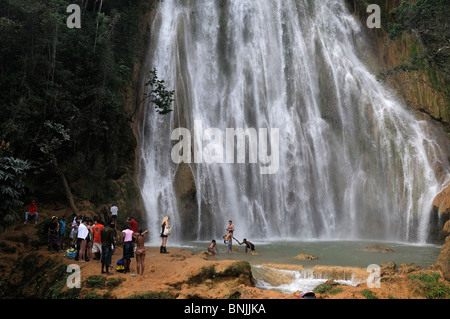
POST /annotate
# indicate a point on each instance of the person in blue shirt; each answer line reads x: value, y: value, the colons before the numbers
x: 62, y: 229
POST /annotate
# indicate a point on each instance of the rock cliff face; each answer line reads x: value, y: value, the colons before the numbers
x: 420, y: 90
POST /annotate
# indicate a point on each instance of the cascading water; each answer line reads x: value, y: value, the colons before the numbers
x: 353, y: 162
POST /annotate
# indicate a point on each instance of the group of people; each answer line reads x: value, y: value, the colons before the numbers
x: 228, y: 241
x: 93, y: 238
x: 100, y: 239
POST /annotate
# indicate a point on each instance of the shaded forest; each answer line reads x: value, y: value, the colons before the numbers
x: 64, y: 127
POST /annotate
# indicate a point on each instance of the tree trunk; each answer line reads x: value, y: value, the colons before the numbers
x: 66, y: 187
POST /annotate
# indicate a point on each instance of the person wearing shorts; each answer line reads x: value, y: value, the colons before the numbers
x: 97, y: 242
x: 227, y: 240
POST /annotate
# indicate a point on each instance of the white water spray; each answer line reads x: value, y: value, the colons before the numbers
x: 353, y: 162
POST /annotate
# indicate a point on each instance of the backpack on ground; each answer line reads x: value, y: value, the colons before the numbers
x: 120, y: 265
x: 71, y: 253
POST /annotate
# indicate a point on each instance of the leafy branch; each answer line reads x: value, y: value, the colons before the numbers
x: 159, y: 96
x: 428, y: 21
x: 12, y: 187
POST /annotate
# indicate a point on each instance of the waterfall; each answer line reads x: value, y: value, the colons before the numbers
x: 354, y: 162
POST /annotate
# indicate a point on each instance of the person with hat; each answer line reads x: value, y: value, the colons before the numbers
x: 32, y: 212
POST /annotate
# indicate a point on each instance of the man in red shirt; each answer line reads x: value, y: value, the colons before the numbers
x: 134, y: 226
x: 32, y: 212
x: 97, y: 245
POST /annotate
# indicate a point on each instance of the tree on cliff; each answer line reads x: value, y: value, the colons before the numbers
x: 428, y: 20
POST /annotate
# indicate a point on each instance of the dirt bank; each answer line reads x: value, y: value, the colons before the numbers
x: 29, y: 270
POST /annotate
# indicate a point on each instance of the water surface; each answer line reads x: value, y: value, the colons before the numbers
x: 332, y: 253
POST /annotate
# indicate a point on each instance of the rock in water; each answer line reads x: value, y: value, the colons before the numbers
x: 306, y: 257
x: 378, y: 248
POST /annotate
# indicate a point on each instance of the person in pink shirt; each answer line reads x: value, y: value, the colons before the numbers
x: 128, y: 251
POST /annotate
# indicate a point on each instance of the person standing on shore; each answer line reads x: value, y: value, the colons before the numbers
x: 128, y: 251
x: 62, y: 231
x: 83, y: 233
x: 134, y: 226
x: 114, y: 212
x: 140, y: 250
x: 97, y: 245
x: 74, y: 231
x: 53, y: 235
x: 164, y: 234
x: 107, y: 238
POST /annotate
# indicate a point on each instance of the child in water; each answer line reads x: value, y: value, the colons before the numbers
x: 227, y: 240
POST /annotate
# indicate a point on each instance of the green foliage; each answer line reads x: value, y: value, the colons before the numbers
x: 328, y: 288
x: 368, y: 294
x: 95, y: 282
x: 430, y: 287
x: 428, y: 20
x: 161, y: 98
x: 101, y: 282
x: 154, y: 295
x: 62, y: 94
x: 323, y: 288
x: 11, y: 189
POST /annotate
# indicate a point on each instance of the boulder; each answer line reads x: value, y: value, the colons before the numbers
x: 388, y: 268
x: 306, y: 257
x: 446, y: 228
x: 441, y: 202
x: 378, y: 248
x: 407, y: 268
x: 443, y: 262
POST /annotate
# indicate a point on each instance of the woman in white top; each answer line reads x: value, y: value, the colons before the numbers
x: 164, y: 225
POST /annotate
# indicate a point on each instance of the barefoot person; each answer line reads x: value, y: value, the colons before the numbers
x: 140, y: 250
x: 164, y: 226
x: 211, y: 247
x: 227, y: 241
x: 83, y: 233
x: 230, y: 229
x: 248, y: 245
